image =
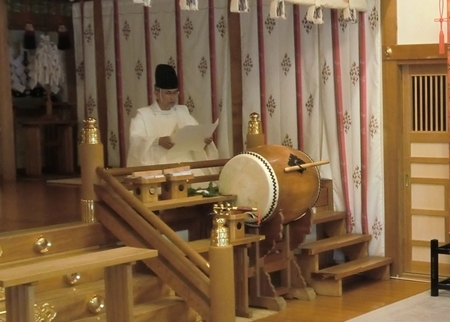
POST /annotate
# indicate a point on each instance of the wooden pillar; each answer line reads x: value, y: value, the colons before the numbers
x: 7, y: 150
x: 234, y: 34
x: 100, y: 69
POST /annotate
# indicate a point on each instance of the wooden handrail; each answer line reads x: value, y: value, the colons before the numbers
x: 153, y: 238
x: 154, y: 220
x: 166, y: 270
x: 193, y: 165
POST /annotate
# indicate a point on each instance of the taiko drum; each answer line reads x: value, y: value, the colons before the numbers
x: 258, y: 178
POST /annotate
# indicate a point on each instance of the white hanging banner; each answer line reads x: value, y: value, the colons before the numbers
x: 277, y: 9
x: 315, y: 14
x: 239, y: 6
x: 146, y: 3
x: 189, y: 5
x: 350, y: 15
x: 360, y: 5
x: 303, y: 2
x: 333, y: 4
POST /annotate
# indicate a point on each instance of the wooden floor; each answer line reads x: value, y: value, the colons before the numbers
x: 30, y: 203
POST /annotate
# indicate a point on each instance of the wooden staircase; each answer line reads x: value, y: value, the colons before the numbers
x: 315, y: 258
x: 47, y: 255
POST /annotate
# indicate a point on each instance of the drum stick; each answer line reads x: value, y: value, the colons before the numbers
x: 305, y: 165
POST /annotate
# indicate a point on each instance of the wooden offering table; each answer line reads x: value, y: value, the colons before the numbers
x: 45, y: 134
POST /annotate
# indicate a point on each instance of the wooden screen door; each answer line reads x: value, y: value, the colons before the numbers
x: 426, y: 165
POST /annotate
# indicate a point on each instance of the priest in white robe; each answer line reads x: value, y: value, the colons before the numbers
x: 152, y: 127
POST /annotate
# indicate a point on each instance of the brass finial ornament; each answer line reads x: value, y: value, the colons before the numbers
x: 90, y: 133
x: 220, y: 235
x: 254, y: 125
x: 255, y: 135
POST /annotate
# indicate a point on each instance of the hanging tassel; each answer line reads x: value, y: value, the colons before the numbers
x: 441, y: 33
x: 29, y: 37
x: 63, y: 38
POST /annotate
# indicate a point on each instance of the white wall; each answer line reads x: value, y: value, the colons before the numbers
x: 416, y: 23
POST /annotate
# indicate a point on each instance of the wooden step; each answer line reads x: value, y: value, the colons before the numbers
x: 335, y: 242
x: 70, y: 303
x: 328, y: 281
x: 19, y: 281
x: 21, y: 245
x: 169, y: 309
x: 327, y: 216
x: 354, y: 267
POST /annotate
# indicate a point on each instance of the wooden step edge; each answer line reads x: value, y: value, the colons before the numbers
x: 354, y: 267
x: 53, y: 267
x: 335, y: 242
x: 321, y: 217
x: 202, y: 245
x: 148, y: 311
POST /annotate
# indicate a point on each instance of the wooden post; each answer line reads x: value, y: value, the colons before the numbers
x: 7, y: 154
x: 91, y: 157
x: 23, y: 294
x: 221, y: 274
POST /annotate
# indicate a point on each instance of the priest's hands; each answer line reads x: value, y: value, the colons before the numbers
x: 208, y: 140
x: 166, y: 142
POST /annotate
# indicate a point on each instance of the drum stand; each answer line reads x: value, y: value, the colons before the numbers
x: 276, y: 272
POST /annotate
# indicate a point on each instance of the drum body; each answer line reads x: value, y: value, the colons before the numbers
x: 258, y: 179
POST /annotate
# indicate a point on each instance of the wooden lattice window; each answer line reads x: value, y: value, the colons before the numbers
x: 429, y: 103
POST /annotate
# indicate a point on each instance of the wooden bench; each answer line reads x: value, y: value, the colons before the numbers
x: 19, y: 281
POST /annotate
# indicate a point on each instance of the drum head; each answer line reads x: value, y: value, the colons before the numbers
x: 252, y: 179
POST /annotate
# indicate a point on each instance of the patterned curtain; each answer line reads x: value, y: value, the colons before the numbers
x: 309, y: 82
x: 317, y: 87
x: 126, y: 55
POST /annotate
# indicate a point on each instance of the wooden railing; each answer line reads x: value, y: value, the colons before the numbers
x: 177, y: 264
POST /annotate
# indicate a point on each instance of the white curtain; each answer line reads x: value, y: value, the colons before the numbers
x: 128, y: 93
x: 316, y: 88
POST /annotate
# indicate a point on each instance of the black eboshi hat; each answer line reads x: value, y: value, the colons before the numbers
x: 165, y: 77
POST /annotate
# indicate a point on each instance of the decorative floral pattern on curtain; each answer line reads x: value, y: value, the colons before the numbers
x: 317, y: 86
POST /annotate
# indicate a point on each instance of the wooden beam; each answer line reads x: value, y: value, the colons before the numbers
x: 388, y: 22
x: 234, y: 30
x: 410, y: 54
x: 7, y: 150
x: 48, y: 22
x: 100, y: 69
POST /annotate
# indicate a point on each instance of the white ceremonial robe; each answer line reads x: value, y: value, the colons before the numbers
x: 151, y: 123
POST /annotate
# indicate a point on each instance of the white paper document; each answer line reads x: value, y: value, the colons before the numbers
x: 192, y: 137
